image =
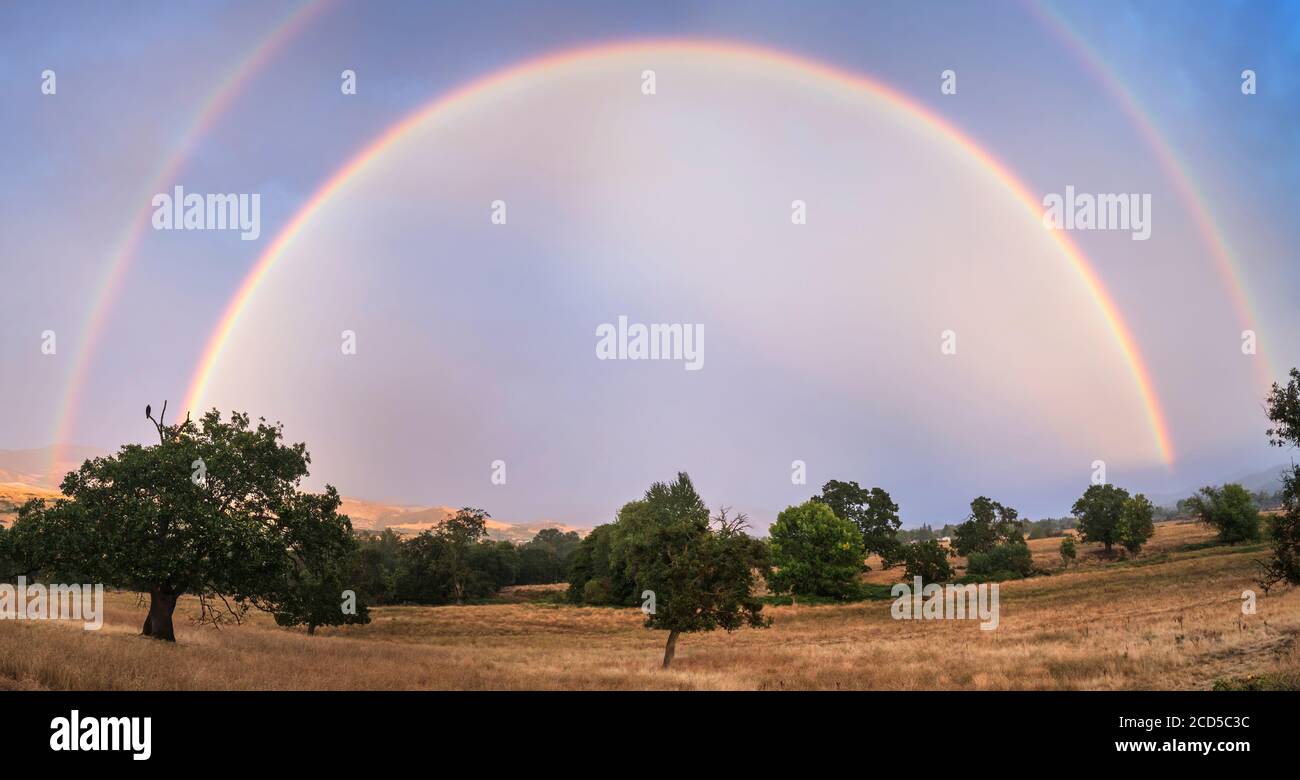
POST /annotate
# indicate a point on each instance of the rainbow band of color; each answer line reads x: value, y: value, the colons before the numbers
x: 1176, y: 170
x: 211, y: 110
x: 239, y: 303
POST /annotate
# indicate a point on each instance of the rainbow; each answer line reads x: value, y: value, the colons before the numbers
x: 1175, y: 169
x: 743, y: 53
x: 110, y: 283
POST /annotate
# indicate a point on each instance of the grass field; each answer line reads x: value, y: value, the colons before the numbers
x: 1170, y: 619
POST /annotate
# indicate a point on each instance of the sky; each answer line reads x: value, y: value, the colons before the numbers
x: 913, y: 325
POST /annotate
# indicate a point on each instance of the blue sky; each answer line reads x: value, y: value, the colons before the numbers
x: 131, y: 78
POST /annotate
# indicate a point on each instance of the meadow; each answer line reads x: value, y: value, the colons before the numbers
x: 1169, y: 619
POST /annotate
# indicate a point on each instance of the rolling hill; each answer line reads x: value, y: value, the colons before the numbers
x: 409, y: 520
x: 26, y: 474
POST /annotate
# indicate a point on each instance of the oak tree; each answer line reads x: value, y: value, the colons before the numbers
x: 873, y: 512
x: 815, y: 552
x: 213, y: 509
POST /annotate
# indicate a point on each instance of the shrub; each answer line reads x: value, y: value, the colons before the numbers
x: 596, y: 591
x: 927, y: 560
x: 1006, y: 561
x: 1068, y: 551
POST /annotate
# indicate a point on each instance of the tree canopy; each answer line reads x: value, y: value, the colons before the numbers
x: 214, y: 510
x: 873, y: 512
x: 928, y: 560
x: 1284, y: 414
x: 815, y: 552
x: 689, y: 572
x: 1230, y: 510
x: 990, y: 523
x: 1098, y: 510
x: 1136, y: 523
x: 1109, y: 515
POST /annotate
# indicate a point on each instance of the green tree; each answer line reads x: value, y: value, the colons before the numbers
x: 701, y: 572
x: 990, y: 523
x: 454, y: 561
x: 1230, y: 510
x: 1099, y: 510
x: 873, y: 512
x: 322, y: 564
x: 1068, y: 551
x: 8, y: 565
x: 459, y: 534
x: 928, y: 560
x: 1136, y: 523
x: 1284, y: 413
x: 320, y: 598
x: 599, y: 557
x: 564, y: 543
x: 492, y: 566
x: 423, y: 577
x: 378, y: 565
x: 213, y: 510
x: 538, y: 564
x: 712, y: 584
x: 546, y: 557
x: 815, y: 552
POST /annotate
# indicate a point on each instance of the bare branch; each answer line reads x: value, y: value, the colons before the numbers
x: 158, y: 424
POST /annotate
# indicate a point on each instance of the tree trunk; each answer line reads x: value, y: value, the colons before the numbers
x: 670, y: 648
x: 158, y: 623
x: 311, y: 629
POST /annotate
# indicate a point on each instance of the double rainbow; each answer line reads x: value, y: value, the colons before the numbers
x: 734, y: 54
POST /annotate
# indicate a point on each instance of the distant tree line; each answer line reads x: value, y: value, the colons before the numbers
x: 455, y: 561
x: 1033, y: 529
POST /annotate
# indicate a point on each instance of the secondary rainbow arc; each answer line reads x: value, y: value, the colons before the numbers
x: 1178, y: 172
x: 106, y: 291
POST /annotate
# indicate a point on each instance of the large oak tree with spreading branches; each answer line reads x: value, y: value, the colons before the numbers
x: 214, y: 509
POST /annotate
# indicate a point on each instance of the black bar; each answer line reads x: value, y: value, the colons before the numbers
x: 958, y: 729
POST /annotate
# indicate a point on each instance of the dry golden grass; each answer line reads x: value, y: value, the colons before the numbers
x: 1170, y: 619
